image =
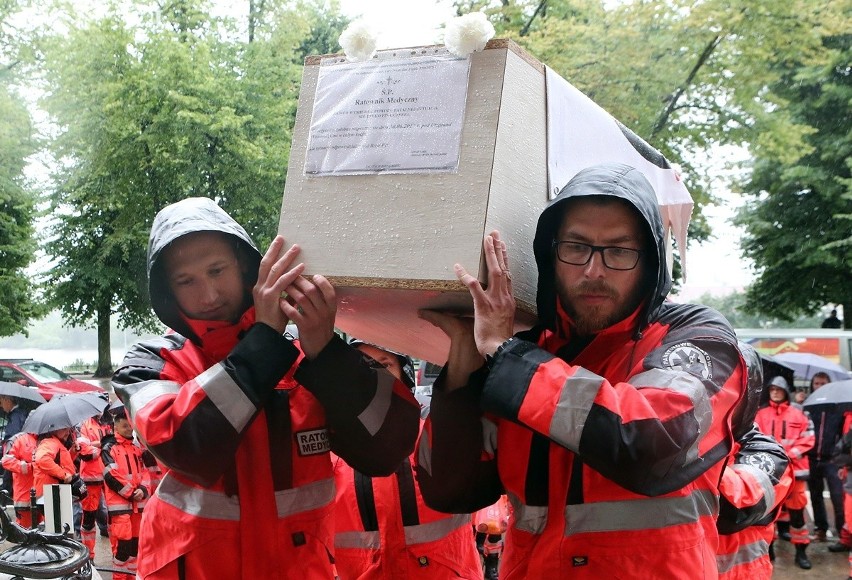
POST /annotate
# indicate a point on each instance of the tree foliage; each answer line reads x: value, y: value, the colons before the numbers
x: 733, y: 308
x: 688, y: 77
x: 18, y: 303
x: 799, y: 221
x: 176, y: 107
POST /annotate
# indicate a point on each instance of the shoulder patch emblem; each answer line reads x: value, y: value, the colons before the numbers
x: 761, y: 460
x: 313, y: 442
x: 685, y: 356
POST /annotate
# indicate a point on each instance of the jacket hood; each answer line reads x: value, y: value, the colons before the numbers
x: 780, y: 382
x: 619, y: 181
x: 189, y: 216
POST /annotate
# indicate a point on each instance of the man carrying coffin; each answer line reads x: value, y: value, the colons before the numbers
x: 606, y: 424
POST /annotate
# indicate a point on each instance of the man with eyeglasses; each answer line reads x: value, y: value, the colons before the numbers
x: 608, y: 423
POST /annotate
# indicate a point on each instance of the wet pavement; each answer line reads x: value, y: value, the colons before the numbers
x: 826, y: 565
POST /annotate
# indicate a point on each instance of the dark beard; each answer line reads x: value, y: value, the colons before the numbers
x: 593, y: 320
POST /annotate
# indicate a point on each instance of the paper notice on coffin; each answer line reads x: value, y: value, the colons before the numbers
x: 388, y: 115
x: 581, y: 134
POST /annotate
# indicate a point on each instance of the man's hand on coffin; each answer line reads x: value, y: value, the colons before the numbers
x: 493, y: 306
x: 312, y: 306
x: 464, y: 358
x: 275, y: 274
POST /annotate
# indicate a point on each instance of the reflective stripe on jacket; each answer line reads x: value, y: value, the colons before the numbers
x: 52, y: 462
x: 792, y: 428
x: 745, y: 555
x: 19, y: 460
x: 91, y: 465
x: 124, y: 473
x: 580, y: 454
x: 384, y: 530
x: 280, y: 484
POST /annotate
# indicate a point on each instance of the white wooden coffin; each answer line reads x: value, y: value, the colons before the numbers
x: 388, y: 242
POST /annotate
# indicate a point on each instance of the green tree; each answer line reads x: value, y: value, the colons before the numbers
x: 799, y: 221
x: 18, y: 303
x: 179, y: 107
x: 688, y: 77
x: 733, y: 307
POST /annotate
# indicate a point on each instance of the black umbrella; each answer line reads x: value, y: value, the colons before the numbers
x: 837, y: 393
x: 64, y: 411
x: 20, y: 392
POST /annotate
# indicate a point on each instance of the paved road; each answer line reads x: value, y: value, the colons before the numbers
x: 826, y: 566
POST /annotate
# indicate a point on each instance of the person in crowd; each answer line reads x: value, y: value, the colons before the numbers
x: 832, y: 321
x: 128, y: 486
x: 828, y: 425
x: 91, y: 433
x: 753, y: 487
x: 843, y: 459
x: 799, y: 396
x: 242, y: 416
x: 612, y: 411
x: 382, y: 527
x: 489, y: 526
x: 793, y: 429
x: 53, y: 462
x: 18, y: 461
x: 16, y: 414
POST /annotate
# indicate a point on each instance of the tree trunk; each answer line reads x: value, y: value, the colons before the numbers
x: 104, y: 369
x: 847, y: 316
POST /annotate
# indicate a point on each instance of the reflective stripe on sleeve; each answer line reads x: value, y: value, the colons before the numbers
x: 146, y: 391
x: 414, y: 535
x: 762, y: 478
x: 217, y: 505
x: 745, y: 554
x: 687, y: 385
x: 528, y: 518
x: 228, y: 397
x: 432, y: 531
x: 358, y: 540
x: 575, y: 401
x: 640, y: 514
x: 424, y: 453
x: 373, y: 417
x: 305, y: 497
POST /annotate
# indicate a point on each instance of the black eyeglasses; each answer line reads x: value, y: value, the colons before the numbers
x: 373, y: 363
x: 579, y: 254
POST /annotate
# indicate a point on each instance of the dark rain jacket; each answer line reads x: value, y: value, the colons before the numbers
x: 245, y: 424
x: 610, y: 450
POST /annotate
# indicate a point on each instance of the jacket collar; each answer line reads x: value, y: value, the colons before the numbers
x: 218, y: 337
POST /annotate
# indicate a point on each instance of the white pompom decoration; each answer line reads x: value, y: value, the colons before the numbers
x: 467, y: 34
x: 358, y: 41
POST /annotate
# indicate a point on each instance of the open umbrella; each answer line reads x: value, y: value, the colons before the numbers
x: 806, y: 365
x: 20, y: 392
x: 64, y: 411
x: 838, y: 394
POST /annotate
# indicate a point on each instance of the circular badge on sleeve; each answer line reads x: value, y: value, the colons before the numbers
x: 685, y: 356
x: 761, y: 460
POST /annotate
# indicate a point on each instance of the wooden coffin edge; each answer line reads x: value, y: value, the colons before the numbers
x: 494, y: 43
x: 411, y: 284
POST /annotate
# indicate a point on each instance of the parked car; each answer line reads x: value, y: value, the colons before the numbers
x: 48, y: 380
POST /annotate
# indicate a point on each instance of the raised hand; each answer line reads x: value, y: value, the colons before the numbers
x: 312, y: 306
x: 493, y: 307
x: 463, y: 358
x: 275, y: 274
